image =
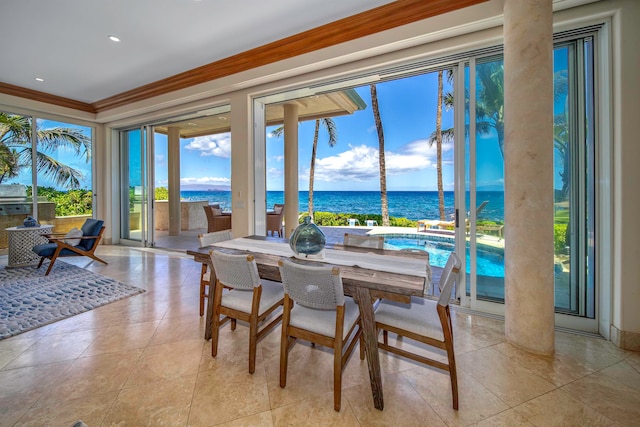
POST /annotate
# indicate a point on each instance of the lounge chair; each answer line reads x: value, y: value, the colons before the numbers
x: 216, y: 219
x: 274, y: 220
x: 425, y: 224
x: 65, y: 245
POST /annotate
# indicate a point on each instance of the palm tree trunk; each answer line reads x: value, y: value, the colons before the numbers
x: 439, y: 148
x: 381, y: 160
x: 312, y: 168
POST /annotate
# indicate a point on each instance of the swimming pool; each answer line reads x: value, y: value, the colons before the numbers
x: 489, y: 260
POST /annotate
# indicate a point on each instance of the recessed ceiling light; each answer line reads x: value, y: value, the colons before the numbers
x: 39, y: 79
x: 114, y: 38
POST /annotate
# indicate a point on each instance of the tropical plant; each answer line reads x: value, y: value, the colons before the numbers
x: 332, y: 131
x: 381, y: 158
x: 15, y: 150
x: 68, y: 203
x: 161, y: 193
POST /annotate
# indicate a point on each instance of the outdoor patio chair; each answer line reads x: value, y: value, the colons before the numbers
x: 216, y: 219
x: 353, y: 222
x: 322, y: 315
x: 206, y: 240
x: 274, y: 220
x: 240, y: 294
x: 372, y: 223
x: 65, y: 245
x: 375, y: 242
x: 426, y: 321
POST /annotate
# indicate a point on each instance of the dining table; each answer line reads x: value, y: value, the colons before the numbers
x: 367, y: 275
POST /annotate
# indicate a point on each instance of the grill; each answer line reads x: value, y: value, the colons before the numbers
x: 13, y: 201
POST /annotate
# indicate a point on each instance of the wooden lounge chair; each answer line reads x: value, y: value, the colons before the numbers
x: 216, y: 219
x: 274, y: 220
x: 425, y: 224
x: 59, y: 245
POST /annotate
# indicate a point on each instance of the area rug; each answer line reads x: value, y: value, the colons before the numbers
x: 29, y: 299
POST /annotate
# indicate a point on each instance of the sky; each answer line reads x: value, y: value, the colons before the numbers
x: 407, y: 110
x: 408, y: 114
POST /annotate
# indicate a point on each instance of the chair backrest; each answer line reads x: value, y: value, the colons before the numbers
x: 448, y: 278
x: 235, y: 271
x: 278, y: 208
x: 375, y: 242
x: 91, y: 227
x: 207, y: 239
x: 312, y: 286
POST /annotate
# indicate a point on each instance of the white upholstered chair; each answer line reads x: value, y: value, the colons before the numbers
x: 205, y: 240
x: 316, y: 310
x: 374, y: 242
x: 424, y: 320
x: 240, y: 294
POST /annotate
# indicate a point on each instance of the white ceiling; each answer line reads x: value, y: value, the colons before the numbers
x: 65, y: 41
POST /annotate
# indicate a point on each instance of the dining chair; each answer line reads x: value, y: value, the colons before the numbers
x: 374, y: 242
x: 205, y: 240
x: 316, y: 310
x: 240, y: 294
x: 424, y: 320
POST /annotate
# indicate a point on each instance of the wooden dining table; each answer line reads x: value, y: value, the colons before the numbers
x: 365, y: 285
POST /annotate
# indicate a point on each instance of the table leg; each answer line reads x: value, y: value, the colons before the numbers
x: 209, y: 314
x: 370, y: 344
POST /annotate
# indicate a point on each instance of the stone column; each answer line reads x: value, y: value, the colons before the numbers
x: 290, y: 168
x: 173, y: 138
x: 528, y: 158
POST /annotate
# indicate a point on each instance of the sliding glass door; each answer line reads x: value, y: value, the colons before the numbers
x: 574, y: 182
x: 136, y: 186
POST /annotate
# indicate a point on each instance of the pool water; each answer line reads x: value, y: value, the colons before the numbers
x: 489, y: 262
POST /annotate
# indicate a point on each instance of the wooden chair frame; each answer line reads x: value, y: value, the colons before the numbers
x: 444, y: 315
x: 254, y: 319
x: 59, y: 239
x: 290, y: 334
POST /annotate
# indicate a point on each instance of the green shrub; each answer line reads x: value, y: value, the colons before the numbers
x: 560, y: 238
x: 330, y: 219
x: 68, y: 203
x: 161, y: 193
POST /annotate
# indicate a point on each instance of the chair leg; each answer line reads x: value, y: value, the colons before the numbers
x: 53, y: 260
x: 385, y: 337
x: 284, y: 341
x: 337, y: 375
x: 253, y: 341
x: 41, y: 261
x: 215, y: 321
x: 203, y: 285
x: 233, y: 324
x: 361, y: 345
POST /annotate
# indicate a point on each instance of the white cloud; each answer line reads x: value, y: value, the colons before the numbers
x: 360, y: 163
x: 212, y: 145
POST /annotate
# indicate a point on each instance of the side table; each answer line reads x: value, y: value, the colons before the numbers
x: 21, y: 240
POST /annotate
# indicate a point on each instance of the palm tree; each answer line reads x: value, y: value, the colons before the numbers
x: 332, y: 131
x: 15, y: 150
x: 439, y: 136
x: 381, y: 159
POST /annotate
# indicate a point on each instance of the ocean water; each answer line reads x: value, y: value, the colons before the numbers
x: 413, y: 205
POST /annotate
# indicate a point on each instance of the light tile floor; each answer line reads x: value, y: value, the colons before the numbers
x: 142, y: 361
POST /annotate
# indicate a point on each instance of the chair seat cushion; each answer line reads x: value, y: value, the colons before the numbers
x: 241, y: 300
x: 419, y: 317
x: 47, y: 250
x: 324, y: 321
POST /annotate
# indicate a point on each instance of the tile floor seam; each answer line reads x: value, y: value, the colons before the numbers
x: 570, y: 396
x: 402, y: 374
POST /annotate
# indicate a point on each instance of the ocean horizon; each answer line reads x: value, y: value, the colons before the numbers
x: 413, y: 205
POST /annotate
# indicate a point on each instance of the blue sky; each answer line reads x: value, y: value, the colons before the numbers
x: 408, y: 112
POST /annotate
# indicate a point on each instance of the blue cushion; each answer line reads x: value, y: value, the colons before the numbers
x: 91, y: 227
x: 47, y: 250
